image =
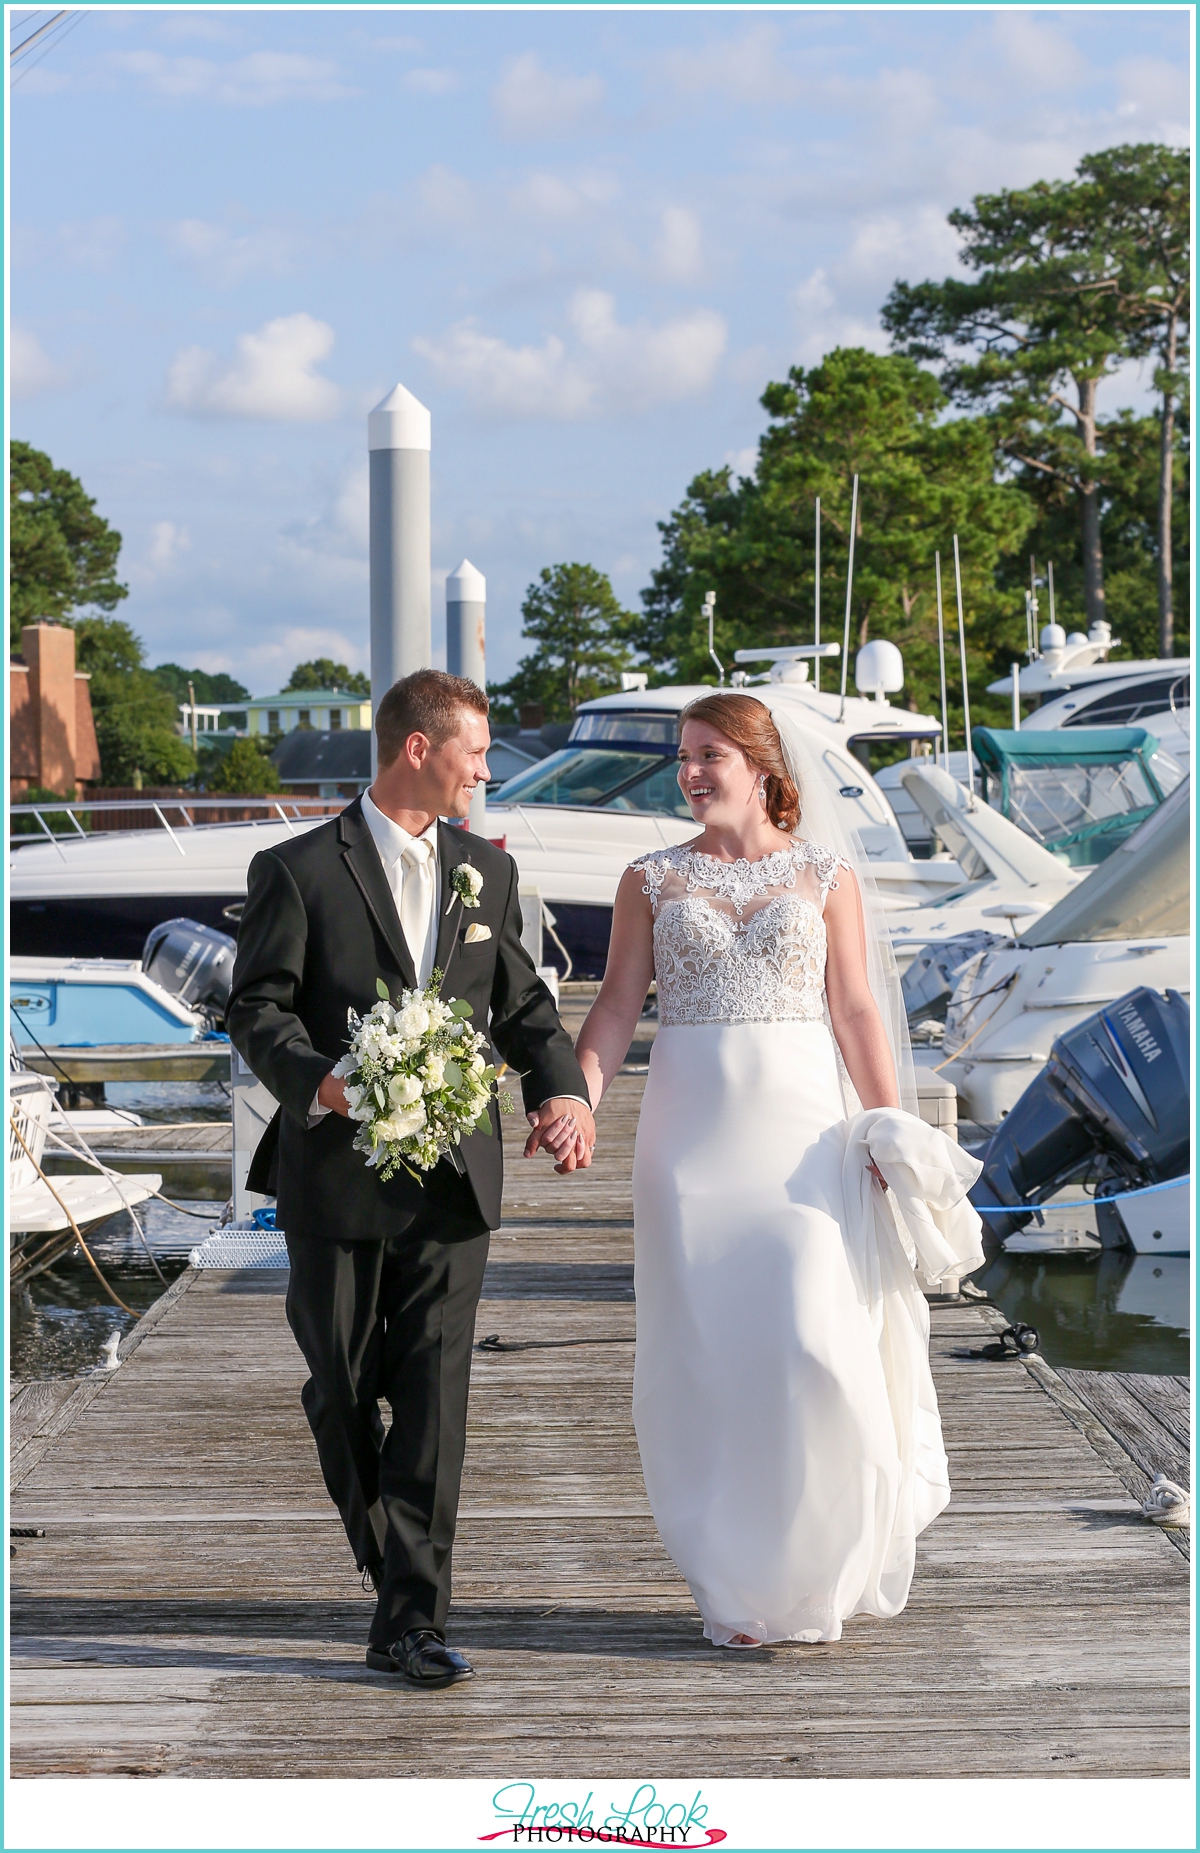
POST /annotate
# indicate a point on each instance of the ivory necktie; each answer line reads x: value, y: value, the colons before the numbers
x: 416, y: 904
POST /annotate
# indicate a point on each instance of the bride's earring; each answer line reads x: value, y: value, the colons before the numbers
x: 762, y: 788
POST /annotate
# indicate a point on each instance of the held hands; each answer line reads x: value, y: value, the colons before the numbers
x: 565, y: 1127
x: 567, y: 1130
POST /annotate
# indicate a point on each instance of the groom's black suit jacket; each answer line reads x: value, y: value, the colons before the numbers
x: 318, y: 929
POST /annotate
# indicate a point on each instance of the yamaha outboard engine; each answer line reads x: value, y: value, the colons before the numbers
x: 1112, y: 1107
x: 928, y: 984
x: 193, y: 962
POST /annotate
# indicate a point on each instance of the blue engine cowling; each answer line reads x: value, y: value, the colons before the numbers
x: 1112, y: 1106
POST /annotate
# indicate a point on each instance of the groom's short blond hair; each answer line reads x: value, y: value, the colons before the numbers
x: 429, y: 702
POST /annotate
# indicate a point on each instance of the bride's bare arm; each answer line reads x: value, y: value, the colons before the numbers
x: 604, y: 1040
x: 853, y: 1011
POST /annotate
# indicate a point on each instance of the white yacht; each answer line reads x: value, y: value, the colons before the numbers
x: 573, y: 821
x: 1126, y: 924
x: 1072, y: 684
x: 578, y: 818
x: 1010, y: 879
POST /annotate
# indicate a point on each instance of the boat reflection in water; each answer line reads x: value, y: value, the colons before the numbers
x: 1099, y: 1309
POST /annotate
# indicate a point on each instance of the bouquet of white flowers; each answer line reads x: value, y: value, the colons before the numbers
x: 416, y: 1079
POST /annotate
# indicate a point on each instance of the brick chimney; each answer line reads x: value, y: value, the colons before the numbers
x: 50, y: 711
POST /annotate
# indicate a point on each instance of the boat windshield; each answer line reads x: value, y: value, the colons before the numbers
x: 630, y: 726
x: 596, y: 777
x: 1084, y: 809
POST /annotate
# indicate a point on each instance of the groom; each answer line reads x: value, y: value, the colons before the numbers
x: 385, y: 1277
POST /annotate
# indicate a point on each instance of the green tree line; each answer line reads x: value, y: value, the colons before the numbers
x: 982, y: 421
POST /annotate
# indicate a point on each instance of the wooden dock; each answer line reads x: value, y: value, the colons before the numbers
x: 192, y: 1608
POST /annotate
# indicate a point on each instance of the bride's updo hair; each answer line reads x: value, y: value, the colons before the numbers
x: 747, y: 722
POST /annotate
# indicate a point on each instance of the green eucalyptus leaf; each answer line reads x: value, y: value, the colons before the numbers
x: 382, y: 989
x: 461, y: 1009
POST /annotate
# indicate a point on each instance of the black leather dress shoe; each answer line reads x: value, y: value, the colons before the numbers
x: 423, y: 1658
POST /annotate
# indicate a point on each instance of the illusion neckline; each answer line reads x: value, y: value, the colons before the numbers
x: 742, y: 862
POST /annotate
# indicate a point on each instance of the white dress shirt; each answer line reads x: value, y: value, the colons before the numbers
x: 411, y: 866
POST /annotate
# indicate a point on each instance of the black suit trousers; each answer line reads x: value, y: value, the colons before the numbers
x: 392, y: 1319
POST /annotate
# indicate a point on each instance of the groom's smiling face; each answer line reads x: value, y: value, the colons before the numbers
x: 454, y: 768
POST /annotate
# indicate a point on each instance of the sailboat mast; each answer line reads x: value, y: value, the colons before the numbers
x: 849, y: 590
x: 937, y: 568
x: 962, y: 657
x: 817, y: 604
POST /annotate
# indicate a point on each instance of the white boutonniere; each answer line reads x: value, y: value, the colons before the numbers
x: 467, y: 883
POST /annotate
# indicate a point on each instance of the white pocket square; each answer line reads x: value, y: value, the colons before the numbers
x: 476, y: 933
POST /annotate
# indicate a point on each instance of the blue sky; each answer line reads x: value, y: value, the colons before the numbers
x: 586, y: 240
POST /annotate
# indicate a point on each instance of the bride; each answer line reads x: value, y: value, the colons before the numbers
x: 785, y: 1413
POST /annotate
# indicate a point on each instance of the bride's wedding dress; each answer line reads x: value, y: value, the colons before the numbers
x: 784, y: 1408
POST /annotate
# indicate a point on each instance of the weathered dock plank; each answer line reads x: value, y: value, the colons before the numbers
x: 219, y: 1629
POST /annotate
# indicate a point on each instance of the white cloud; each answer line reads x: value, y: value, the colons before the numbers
x: 549, y: 196
x: 167, y: 543
x: 531, y: 103
x: 748, y: 70
x: 837, y: 304
x: 446, y: 197
x: 268, y: 663
x: 743, y: 462
x: 260, y: 77
x: 95, y: 244
x: 272, y: 375
x: 342, y: 528
x: 30, y: 369
x: 1037, y: 55
x: 431, y: 83
x: 1154, y: 94
x: 605, y: 367
x: 225, y: 257
x: 677, y: 252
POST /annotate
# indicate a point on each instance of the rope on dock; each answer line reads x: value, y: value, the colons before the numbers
x: 494, y: 1342
x: 92, y: 1263
x: 88, y: 1156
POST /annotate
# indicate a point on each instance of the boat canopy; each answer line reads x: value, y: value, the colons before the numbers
x: 1080, y: 793
x: 1143, y: 889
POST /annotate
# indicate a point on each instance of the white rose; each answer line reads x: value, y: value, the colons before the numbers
x: 403, y: 1090
x: 472, y: 877
x: 413, y: 1021
x: 477, y: 1064
x: 402, y: 1123
x: 435, y: 1071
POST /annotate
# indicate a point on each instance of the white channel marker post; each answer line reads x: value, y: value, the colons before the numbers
x: 398, y: 436
x: 466, y: 613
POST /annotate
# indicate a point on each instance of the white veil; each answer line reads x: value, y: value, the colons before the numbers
x: 822, y: 822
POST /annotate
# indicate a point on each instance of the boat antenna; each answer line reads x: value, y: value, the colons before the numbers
x: 1033, y: 597
x: 817, y: 606
x: 849, y: 590
x: 962, y: 657
x: 1028, y: 629
x: 1050, y: 573
x: 709, y: 610
x: 937, y: 568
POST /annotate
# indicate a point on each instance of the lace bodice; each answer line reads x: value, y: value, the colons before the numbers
x: 740, y: 942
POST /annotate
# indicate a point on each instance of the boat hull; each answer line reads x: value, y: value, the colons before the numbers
x: 107, y: 926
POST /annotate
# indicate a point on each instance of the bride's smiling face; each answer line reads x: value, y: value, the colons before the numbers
x: 716, y: 778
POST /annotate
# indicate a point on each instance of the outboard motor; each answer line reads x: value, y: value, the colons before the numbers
x: 193, y: 962
x: 928, y: 984
x: 1112, y: 1107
